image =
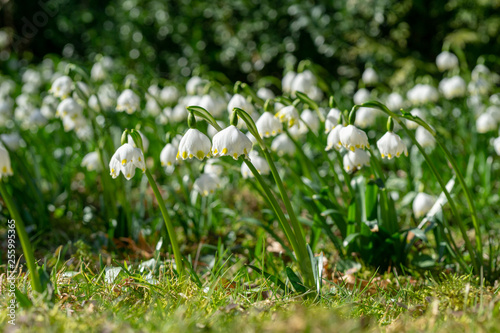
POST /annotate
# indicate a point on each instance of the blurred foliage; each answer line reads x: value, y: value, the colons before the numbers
x: 247, y: 39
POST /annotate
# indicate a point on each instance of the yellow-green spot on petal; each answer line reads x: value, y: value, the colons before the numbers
x: 191, y: 155
x: 389, y: 156
x: 235, y: 156
x: 184, y: 155
x: 200, y: 154
x: 128, y: 175
x: 352, y: 148
x: 169, y: 163
x: 124, y: 161
x: 224, y: 151
x: 215, y: 151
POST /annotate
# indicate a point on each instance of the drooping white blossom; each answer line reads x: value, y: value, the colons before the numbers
x: 125, y: 160
x: 92, y: 162
x: 446, y: 61
x: 391, y: 145
x: 194, y: 144
x: 353, y: 138
x: 128, y: 101
x: 231, y: 142
x: 422, y: 204
x: 268, y: 125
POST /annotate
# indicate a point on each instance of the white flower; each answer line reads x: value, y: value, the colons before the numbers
x: 494, y: 110
x: 356, y: 160
x: 422, y: 204
x: 486, y: 123
x: 453, y: 87
x: 152, y: 106
x: 391, y: 145
x: 206, y: 184
x: 213, y: 167
x: 303, y: 82
x: 168, y: 155
x: 288, y: 114
x: 394, y: 101
x: 265, y: 93
x: 107, y: 95
x: 366, y: 117
x: 238, y: 101
x: 417, y: 113
x: 424, y: 137
x: 194, y: 144
x: 13, y: 140
x: 231, y: 142
x: 128, y: 101
x: 92, y: 162
x: 62, y: 87
x: 332, y: 119
x: 125, y: 160
x: 361, y: 96
x: 369, y: 76
x: 353, y: 138
x: 496, y: 145
x: 333, y: 139
x: 69, y: 108
x: 259, y: 163
x: 268, y: 125
x: 422, y: 94
x: 283, y: 145
x: 446, y: 60
x: 5, y: 167
x: 286, y: 83
x: 299, y: 130
x: 169, y: 94
x: 195, y: 85
x: 98, y: 73
x: 479, y: 87
x: 311, y: 119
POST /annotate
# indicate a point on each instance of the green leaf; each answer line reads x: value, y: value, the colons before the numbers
x: 23, y: 299
x: 295, y: 281
x: 270, y: 277
x: 423, y: 261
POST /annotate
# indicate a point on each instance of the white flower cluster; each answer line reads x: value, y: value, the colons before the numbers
x: 125, y: 160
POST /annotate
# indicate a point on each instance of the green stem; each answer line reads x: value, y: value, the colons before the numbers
x: 24, y: 239
x: 168, y: 223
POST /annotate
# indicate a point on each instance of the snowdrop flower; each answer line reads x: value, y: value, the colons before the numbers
x: 286, y: 83
x: 298, y: 131
x: 391, y: 145
x: 169, y: 95
x: 238, y: 101
x: 74, y: 122
x: 369, y: 76
x: 496, y: 145
x: 446, y: 61
x: 479, y: 87
x: 213, y: 167
x: 394, y: 101
x: 98, y: 73
x: 452, y: 87
x: 422, y: 204
x: 91, y: 161
x: 353, y: 138
x: 422, y: 94
x: 288, y: 114
x: 5, y: 166
x: 494, y: 111
x: 417, y: 113
x: 333, y: 139
x: 332, y: 119
x: 94, y: 103
x: 268, y: 125
x: 125, y: 160
x: 354, y: 160
x: 168, y: 155
x: 194, y: 144
x: 303, y: 82
x: 13, y: 140
x: 128, y: 101
x: 283, y: 145
x: 195, y: 85
x: 107, y: 95
x: 424, y: 137
x: 486, y: 123
x: 310, y: 118
x: 265, y: 93
x: 62, y: 87
x: 231, y: 142
x: 479, y: 72
x: 366, y: 117
x: 69, y: 108
x: 361, y: 96
x: 206, y: 184
x: 259, y: 163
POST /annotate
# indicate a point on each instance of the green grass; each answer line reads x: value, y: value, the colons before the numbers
x: 234, y: 299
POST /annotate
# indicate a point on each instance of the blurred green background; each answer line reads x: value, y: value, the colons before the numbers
x: 246, y: 39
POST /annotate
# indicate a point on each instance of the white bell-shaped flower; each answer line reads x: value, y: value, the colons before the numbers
x: 422, y: 204
x: 169, y: 94
x: 286, y: 83
x: 206, y: 184
x: 332, y: 119
x: 213, y: 167
x: 238, y: 101
x: 62, y: 87
x: 422, y: 94
x: 231, y: 142
x: 283, y: 145
x: 128, y: 101
x: 353, y: 138
x: 394, y: 101
x: 369, y: 76
x: 424, y: 137
x: 366, y: 117
x: 310, y: 118
x: 265, y: 93
x: 168, y: 155
x: 259, y: 163
x: 417, y: 113
x: 194, y: 144
x: 195, y: 85
x: 289, y: 114
x: 333, y: 139
x: 92, y: 162
x: 355, y: 160
x: 298, y: 131
x: 391, y: 145
x: 5, y: 166
x: 268, y: 125
x: 486, y: 123
x: 69, y: 108
x: 361, y: 96
x: 496, y: 145
x: 125, y: 160
x: 446, y: 61
x: 453, y: 87
x: 98, y: 72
